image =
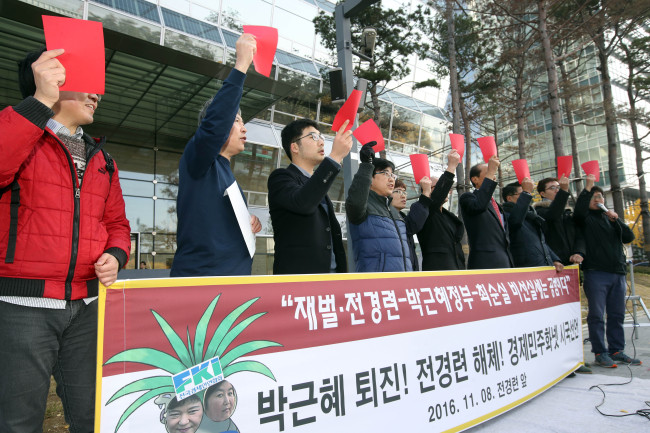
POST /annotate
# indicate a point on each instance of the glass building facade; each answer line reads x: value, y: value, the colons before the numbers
x: 165, y: 58
x: 589, y: 121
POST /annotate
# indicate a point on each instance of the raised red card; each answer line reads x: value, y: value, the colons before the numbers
x: 521, y: 169
x: 83, y: 59
x: 267, y: 44
x: 488, y: 147
x: 420, y: 165
x: 564, y: 166
x: 348, y: 111
x: 592, y: 167
x: 458, y: 144
x: 369, y: 131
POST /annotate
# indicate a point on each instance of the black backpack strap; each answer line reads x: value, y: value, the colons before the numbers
x: 14, y: 204
x: 110, y: 165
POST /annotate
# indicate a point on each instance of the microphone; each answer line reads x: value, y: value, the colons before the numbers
x: 602, y: 207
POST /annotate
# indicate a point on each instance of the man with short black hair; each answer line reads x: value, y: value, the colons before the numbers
x: 441, y: 235
x: 559, y: 227
x: 307, y: 235
x: 604, y: 274
x: 527, y: 242
x: 417, y: 215
x: 210, y: 242
x: 63, y: 230
x: 487, y: 228
x: 377, y: 231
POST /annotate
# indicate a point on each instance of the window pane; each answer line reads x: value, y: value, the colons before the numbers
x: 253, y: 166
x: 294, y: 27
x: 139, y: 212
x: 139, y: 8
x: 137, y: 187
x: 302, y: 102
x: 164, y: 244
x: 125, y: 24
x: 165, y: 216
x: 406, y: 125
x: 132, y: 162
x: 236, y: 13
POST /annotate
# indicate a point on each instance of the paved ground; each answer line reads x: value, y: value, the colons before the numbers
x: 636, y: 346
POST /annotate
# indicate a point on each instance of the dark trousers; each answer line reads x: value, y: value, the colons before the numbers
x: 36, y: 343
x: 605, y: 294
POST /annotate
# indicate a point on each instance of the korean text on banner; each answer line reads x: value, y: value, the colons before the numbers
x: 425, y: 351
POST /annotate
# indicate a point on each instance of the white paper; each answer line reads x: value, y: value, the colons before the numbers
x: 243, y: 217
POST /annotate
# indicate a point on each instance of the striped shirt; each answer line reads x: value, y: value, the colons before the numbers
x: 80, y: 163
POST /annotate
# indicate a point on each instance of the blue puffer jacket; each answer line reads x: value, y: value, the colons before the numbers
x: 377, y: 230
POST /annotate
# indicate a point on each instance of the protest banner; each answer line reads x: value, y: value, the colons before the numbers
x: 425, y: 351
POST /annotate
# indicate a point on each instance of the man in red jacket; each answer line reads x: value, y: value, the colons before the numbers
x: 63, y: 230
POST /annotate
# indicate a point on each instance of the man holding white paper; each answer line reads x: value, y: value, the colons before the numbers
x: 210, y: 240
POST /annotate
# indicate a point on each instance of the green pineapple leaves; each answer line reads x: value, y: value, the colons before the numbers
x: 187, y: 356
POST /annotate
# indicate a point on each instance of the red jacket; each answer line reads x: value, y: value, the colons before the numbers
x: 61, y: 229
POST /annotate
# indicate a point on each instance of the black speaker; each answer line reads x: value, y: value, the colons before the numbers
x: 337, y: 87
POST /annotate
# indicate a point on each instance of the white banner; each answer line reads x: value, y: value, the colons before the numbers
x: 407, y: 373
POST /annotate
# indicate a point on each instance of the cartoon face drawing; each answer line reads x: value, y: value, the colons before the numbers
x: 220, y: 401
x: 184, y: 416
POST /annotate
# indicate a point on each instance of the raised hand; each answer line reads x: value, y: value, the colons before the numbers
x: 49, y: 75
x: 342, y: 143
x: 246, y: 47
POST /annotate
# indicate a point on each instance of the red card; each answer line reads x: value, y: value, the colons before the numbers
x: 458, y: 144
x: 83, y: 42
x: 564, y: 166
x: 348, y: 111
x: 592, y: 167
x: 521, y: 169
x: 267, y: 44
x: 420, y: 164
x: 488, y: 147
x: 369, y: 131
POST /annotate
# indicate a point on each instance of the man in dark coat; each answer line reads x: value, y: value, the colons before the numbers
x: 604, y: 274
x: 417, y: 215
x: 559, y: 228
x: 440, y: 238
x: 487, y: 228
x: 307, y: 235
x: 528, y: 245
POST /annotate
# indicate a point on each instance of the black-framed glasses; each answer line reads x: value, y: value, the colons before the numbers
x: 387, y: 173
x: 316, y: 136
x: 400, y: 192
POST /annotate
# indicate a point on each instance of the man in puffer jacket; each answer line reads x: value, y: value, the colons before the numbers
x: 377, y: 230
x: 63, y: 230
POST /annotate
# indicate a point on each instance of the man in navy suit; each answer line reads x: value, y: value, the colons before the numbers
x: 307, y: 235
x: 486, y: 226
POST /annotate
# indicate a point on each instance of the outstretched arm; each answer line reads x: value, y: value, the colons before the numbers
x: 214, y: 130
x: 356, y: 203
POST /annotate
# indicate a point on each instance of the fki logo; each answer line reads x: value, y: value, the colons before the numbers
x: 197, y: 378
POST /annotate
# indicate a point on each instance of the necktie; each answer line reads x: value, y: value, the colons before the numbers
x: 496, y: 209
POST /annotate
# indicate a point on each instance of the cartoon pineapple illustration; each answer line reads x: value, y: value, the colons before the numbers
x: 189, y: 355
